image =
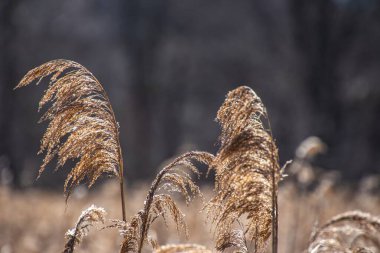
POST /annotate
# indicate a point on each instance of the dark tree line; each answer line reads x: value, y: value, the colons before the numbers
x: 8, y: 78
x: 168, y: 64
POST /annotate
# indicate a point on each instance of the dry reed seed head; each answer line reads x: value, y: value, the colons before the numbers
x: 310, y: 147
x: 344, y: 239
x: 356, y: 218
x: 164, y: 205
x: 246, y: 167
x: 131, y: 233
x: 172, y: 178
x: 353, y: 231
x: 92, y: 216
x: 302, y: 173
x: 302, y: 169
x: 242, y: 107
x: 182, y: 248
x: 231, y: 238
x: 152, y: 240
x: 82, y: 126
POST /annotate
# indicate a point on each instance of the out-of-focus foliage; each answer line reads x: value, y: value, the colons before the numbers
x: 41, y: 228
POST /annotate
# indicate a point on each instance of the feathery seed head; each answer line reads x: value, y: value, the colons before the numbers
x: 350, y: 232
x: 89, y: 217
x: 82, y: 126
x: 246, y: 169
x: 172, y: 178
x: 182, y: 248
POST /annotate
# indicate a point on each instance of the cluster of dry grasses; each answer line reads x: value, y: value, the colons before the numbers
x: 35, y: 221
x: 242, y: 209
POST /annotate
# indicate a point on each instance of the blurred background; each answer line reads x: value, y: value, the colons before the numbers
x: 167, y: 66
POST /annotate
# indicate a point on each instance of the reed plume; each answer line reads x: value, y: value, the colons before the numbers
x: 82, y: 125
x: 247, y: 172
x: 89, y: 217
x: 231, y: 238
x: 171, y: 178
x: 182, y: 248
x: 352, y: 231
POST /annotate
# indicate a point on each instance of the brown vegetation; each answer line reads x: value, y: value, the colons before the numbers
x: 353, y: 231
x: 247, y: 173
x: 82, y: 125
x: 35, y: 221
x: 243, y: 208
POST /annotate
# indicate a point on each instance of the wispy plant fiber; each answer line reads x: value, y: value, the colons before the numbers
x: 172, y: 178
x: 89, y: 217
x: 247, y: 170
x: 350, y: 232
x: 231, y: 238
x: 182, y: 248
x: 82, y: 126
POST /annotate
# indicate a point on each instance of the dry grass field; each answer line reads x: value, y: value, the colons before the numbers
x: 251, y: 200
x: 36, y: 221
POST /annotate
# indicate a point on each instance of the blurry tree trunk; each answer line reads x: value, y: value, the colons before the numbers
x: 171, y: 123
x: 323, y: 33
x: 312, y: 36
x: 143, y: 23
x: 8, y: 80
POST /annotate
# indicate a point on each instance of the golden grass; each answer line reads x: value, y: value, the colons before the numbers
x: 244, y: 205
x: 247, y: 174
x: 183, y: 248
x: 35, y: 221
x: 172, y: 178
x: 82, y: 125
x: 90, y: 217
x: 353, y: 231
x: 80, y: 111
